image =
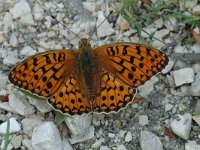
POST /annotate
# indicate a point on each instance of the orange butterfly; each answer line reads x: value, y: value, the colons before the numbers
x: 87, y: 80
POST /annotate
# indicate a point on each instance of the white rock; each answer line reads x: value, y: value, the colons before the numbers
x: 3, y: 81
x: 195, y: 48
x: 38, y: 12
x: 7, y: 22
x: 128, y: 137
x: 146, y: 32
x: 195, y: 87
x: 90, y: 6
x: 104, y: 148
x: 105, y: 28
x: 80, y: 127
x: 2, y: 39
x: 183, y: 76
x: 28, y: 124
x: 123, y: 23
x: 27, y: 19
x: 171, y: 23
x: 168, y: 67
x: 185, y: 90
x: 13, y: 40
x: 196, y: 10
x: 16, y: 141
x: 148, y: 87
x: 67, y: 145
x: 161, y: 33
x: 181, y: 125
x: 149, y: 141
x: 6, y: 106
x: 121, y: 147
x: 157, y: 44
x: 27, y: 143
x: 196, y: 118
x: 180, y: 49
x: 40, y: 104
x: 46, y: 137
x: 196, y: 68
x: 192, y: 145
x: 11, y: 60
x: 111, y: 135
x: 10, y: 146
x: 20, y: 105
x: 20, y: 8
x: 14, y: 126
x: 187, y: 4
x: 143, y: 120
x: 168, y: 107
x: 159, y: 23
x: 98, y: 143
x: 27, y: 51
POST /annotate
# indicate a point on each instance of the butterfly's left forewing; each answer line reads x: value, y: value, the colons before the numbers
x: 44, y: 73
x: 133, y: 64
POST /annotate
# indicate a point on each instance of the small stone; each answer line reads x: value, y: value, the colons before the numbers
x: 16, y: 141
x: 38, y: 12
x: 185, y: 90
x: 196, y: 108
x: 128, y: 137
x: 2, y: 39
x: 20, y: 105
x: 157, y: 44
x: 13, y: 41
x: 123, y: 24
x: 195, y: 87
x: 28, y: 124
x: 111, y: 135
x: 27, y: 51
x: 46, y: 136
x: 196, y: 68
x: 168, y: 67
x: 105, y: 29
x: 121, y: 147
x: 14, y: 126
x: 195, y: 48
x: 6, y: 106
x: 196, y: 118
x: 67, y: 145
x: 148, y: 31
x: 192, y: 145
x: 149, y: 141
x: 20, y: 8
x: 187, y: 4
x: 161, y: 33
x: 171, y: 23
x: 7, y: 22
x: 181, y: 125
x: 90, y: 6
x: 180, y: 49
x: 80, y: 127
x: 159, y: 23
x: 148, y: 87
x: 104, y: 148
x: 143, y: 120
x: 183, y: 76
x: 98, y: 143
x: 11, y: 60
x: 168, y: 107
x: 27, y: 144
x: 41, y: 105
x: 27, y: 19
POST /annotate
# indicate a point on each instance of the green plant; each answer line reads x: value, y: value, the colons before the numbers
x: 7, y: 138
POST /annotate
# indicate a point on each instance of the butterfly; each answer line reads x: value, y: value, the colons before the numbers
x: 102, y: 80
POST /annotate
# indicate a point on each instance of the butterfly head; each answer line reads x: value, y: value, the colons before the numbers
x: 84, y: 44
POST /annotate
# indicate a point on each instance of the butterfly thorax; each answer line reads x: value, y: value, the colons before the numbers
x: 88, y: 69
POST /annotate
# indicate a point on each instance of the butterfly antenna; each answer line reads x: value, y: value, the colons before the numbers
x: 65, y: 26
x: 100, y: 24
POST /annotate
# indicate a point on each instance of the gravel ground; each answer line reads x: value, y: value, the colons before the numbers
x: 166, y: 115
